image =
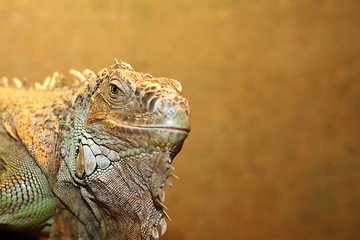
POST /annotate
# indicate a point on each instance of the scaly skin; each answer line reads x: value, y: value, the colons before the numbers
x: 94, y: 157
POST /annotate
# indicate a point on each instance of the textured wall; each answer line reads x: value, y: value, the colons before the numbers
x: 274, y: 88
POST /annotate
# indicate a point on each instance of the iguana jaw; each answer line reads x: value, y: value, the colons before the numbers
x: 153, y: 134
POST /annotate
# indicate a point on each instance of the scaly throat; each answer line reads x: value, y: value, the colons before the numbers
x: 129, y: 193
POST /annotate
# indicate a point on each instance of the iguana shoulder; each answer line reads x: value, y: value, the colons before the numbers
x: 29, y: 118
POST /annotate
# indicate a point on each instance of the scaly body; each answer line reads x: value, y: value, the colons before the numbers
x: 91, y: 159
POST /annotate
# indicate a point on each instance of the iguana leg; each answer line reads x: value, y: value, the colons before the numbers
x: 26, y: 200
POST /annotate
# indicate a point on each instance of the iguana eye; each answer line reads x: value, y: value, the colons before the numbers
x: 117, y: 90
x: 114, y: 89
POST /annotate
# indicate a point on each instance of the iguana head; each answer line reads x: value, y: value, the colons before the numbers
x: 135, y: 125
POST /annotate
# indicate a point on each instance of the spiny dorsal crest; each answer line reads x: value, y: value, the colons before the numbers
x: 58, y: 80
x: 15, y: 82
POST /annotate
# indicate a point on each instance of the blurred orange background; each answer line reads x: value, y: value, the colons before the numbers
x: 274, y: 88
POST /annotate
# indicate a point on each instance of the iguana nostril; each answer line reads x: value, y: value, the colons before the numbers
x: 171, y: 111
x: 165, y: 107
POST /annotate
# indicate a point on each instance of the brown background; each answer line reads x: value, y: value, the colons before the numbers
x: 274, y: 87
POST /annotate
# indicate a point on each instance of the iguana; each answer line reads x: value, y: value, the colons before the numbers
x: 91, y: 159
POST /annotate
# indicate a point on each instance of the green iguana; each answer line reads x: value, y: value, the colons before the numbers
x: 91, y: 159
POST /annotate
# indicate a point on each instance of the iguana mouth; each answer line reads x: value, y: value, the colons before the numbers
x: 152, y: 135
x: 164, y: 127
x: 179, y: 121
